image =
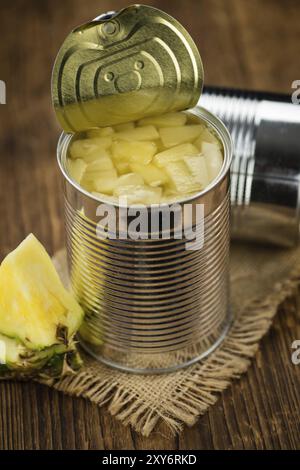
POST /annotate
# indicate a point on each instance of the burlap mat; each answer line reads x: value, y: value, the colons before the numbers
x: 261, y: 278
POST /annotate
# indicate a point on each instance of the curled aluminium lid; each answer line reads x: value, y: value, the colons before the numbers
x: 121, y: 67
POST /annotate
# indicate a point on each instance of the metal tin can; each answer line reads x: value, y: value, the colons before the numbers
x: 151, y: 305
x: 265, y: 189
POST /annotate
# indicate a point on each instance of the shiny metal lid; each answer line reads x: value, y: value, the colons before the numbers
x: 121, y: 67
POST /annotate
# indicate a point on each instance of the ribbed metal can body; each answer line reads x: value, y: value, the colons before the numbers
x: 265, y: 171
x: 152, y: 305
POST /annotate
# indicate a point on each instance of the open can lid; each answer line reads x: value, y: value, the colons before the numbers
x: 121, y: 67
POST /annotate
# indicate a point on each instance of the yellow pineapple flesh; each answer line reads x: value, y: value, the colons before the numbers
x: 160, y: 157
x: 38, y: 316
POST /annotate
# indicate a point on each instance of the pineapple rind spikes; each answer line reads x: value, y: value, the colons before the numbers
x: 47, y: 364
x: 172, y: 136
x: 165, y: 120
x: 33, y: 301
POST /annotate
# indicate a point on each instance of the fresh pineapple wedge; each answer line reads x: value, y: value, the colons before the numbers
x: 38, y: 316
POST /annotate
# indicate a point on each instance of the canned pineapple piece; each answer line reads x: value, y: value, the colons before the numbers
x: 150, y: 173
x: 76, y: 169
x: 102, y: 132
x: 104, y: 182
x: 131, y: 179
x: 89, y: 149
x: 207, y: 136
x: 198, y: 169
x: 141, y: 152
x: 175, y: 153
x: 102, y: 163
x: 141, y: 194
x: 213, y: 157
x: 172, y: 136
x: 165, y: 120
x: 139, y: 134
x: 181, y: 179
x: 127, y: 126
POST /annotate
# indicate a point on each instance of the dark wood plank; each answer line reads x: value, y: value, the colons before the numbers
x: 243, y: 44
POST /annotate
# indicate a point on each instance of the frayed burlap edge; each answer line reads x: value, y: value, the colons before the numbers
x: 204, y: 380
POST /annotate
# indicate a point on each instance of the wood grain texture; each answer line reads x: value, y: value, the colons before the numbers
x: 246, y: 44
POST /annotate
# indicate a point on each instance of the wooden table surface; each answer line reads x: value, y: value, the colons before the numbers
x: 247, y: 44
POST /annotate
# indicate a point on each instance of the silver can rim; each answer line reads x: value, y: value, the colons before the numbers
x: 209, y: 118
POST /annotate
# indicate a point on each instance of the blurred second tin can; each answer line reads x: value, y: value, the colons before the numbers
x: 265, y: 172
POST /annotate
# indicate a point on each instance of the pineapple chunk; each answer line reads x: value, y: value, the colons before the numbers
x: 165, y: 120
x: 174, y: 154
x: 214, y: 159
x: 181, y: 180
x: 197, y: 168
x: 76, y: 169
x: 137, y: 151
x: 106, y: 181
x: 207, y: 136
x: 38, y: 317
x: 90, y: 149
x: 139, y: 194
x: 131, y: 179
x: 172, y: 136
x: 127, y: 126
x: 101, y: 132
x: 103, y: 163
x: 138, y: 133
x: 122, y: 166
x: 150, y: 173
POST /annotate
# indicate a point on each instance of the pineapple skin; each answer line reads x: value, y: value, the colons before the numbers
x: 48, y: 364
